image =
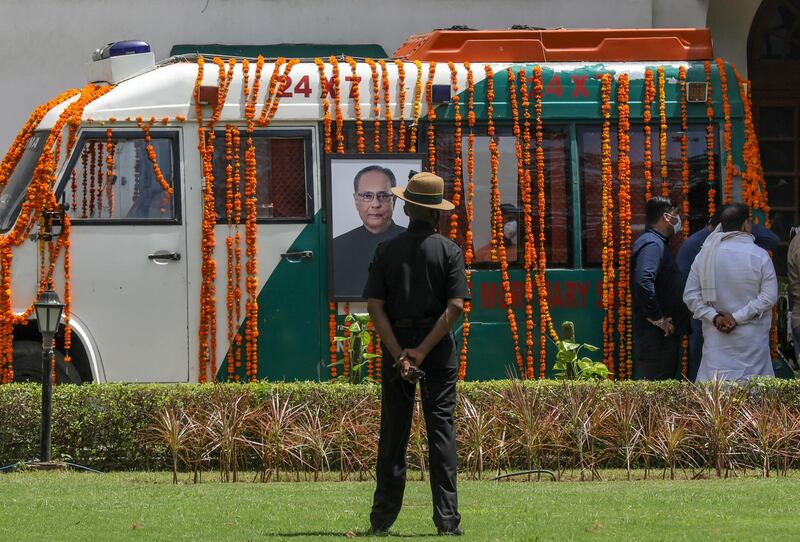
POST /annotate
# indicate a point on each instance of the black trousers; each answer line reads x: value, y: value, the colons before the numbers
x: 655, y: 356
x: 438, y: 391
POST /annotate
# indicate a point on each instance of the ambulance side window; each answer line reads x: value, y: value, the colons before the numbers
x: 282, y: 175
x: 122, y: 180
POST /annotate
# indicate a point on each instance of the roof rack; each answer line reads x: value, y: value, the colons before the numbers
x: 518, y: 44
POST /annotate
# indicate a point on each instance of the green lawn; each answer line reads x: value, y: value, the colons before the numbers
x: 146, y: 506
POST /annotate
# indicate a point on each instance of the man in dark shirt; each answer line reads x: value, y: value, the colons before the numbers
x: 352, y: 251
x: 415, y: 293
x: 659, y: 315
x: 686, y: 255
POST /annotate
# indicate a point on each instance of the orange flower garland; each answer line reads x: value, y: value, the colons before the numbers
x: 469, y: 250
x: 431, y: 118
x: 110, y: 171
x: 457, y: 173
x: 14, y: 154
x: 39, y: 198
x: 526, y: 192
x: 151, y: 155
x: 728, y: 132
x: 649, y: 97
x: 416, y: 107
x: 337, y: 105
x: 662, y: 133
x: 92, y: 176
x: 497, y: 218
x: 624, y: 324
x: 376, y: 108
x: 684, y: 150
x: 231, y: 285
x: 712, y: 192
x: 401, y: 100
x: 354, y: 90
x: 387, y: 106
x: 545, y: 320
x: 754, y: 190
x: 608, y: 297
x: 326, y: 113
x: 332, y: 337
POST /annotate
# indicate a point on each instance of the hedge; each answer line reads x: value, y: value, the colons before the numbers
x: 102, y: 425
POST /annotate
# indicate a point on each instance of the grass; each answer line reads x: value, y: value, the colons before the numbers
x: 146, y: 506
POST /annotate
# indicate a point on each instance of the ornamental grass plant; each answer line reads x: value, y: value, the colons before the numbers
x: 324, y: 431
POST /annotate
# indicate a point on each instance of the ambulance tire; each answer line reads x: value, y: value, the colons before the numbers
x: 28, y: 364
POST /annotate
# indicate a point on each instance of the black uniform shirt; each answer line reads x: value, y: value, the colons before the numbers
x: 416, y: 273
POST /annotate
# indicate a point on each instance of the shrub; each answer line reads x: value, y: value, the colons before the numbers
x: 308, y: 428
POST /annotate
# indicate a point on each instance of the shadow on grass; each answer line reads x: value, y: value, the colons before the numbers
x: 355, y: 534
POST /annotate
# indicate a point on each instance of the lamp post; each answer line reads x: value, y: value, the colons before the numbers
x: 48, y: 316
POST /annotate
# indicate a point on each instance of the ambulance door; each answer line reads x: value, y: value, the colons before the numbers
x: 129, y: 270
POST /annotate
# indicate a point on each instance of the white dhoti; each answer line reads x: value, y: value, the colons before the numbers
x: 747, y: 288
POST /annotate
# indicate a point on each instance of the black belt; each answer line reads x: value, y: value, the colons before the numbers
x: 414, y: 323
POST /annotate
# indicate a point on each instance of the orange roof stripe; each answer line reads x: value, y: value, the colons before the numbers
x: 559, y: 45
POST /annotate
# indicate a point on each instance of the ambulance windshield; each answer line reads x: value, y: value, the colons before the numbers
x: 15, y: 189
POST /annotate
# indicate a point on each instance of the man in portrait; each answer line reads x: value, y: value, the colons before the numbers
x: 352, y: 251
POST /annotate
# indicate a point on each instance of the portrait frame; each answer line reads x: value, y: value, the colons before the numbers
x: 343, y: 216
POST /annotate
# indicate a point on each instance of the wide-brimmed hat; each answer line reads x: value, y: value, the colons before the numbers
x: 426, y: 190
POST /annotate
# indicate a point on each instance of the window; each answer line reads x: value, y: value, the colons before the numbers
x: 558, y: 189
x: 282, y: 166
x: 591, y: 183
x: 12, y: 195
x: 130, y: 181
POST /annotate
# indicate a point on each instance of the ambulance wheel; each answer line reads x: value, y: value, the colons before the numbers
x: 28, y: 364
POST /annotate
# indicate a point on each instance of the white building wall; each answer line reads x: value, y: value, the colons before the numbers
x: 47, y: 42
x: 730, y: 21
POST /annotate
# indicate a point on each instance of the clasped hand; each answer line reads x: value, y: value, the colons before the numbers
x: 408, y: 358
x: 725, y: 322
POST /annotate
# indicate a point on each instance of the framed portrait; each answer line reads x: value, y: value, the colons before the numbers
x: 362, y: 212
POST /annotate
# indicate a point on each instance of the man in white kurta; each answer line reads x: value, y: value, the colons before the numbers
x: 731, y: 288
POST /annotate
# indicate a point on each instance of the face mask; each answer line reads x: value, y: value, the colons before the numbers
x: 678, y: 225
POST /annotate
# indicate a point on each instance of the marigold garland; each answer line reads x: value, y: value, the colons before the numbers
x: 110, y: 148
x: 497, y: 218
x: 387, y: 106
x: 608, y: 298
x: 229, y: 251
x: 151, y: 155
x: 401, y: 100
x: 684, y: 151
x: 431, y: 118
x: 728, y: 131
x: 545, y: 320
x: 332, y: 337
x: 84, y: 180
x: 354, y: 90
x: 40, y: 197
x: 754, y: 190
x: 457, y: 162
x: 469, y: 246
x: 92, y: 176
x: 712, y: 183
x: 662, y: 133
x: 14, y: 154
x: 326, y: 113
x: 624, y: 323
x: 649, y: 97
x: 337, y: 104
x: 527, y: 219
x: 416, y: 108
x: 376, y: 108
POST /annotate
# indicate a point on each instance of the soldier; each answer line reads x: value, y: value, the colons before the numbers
x: 415, y: 294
